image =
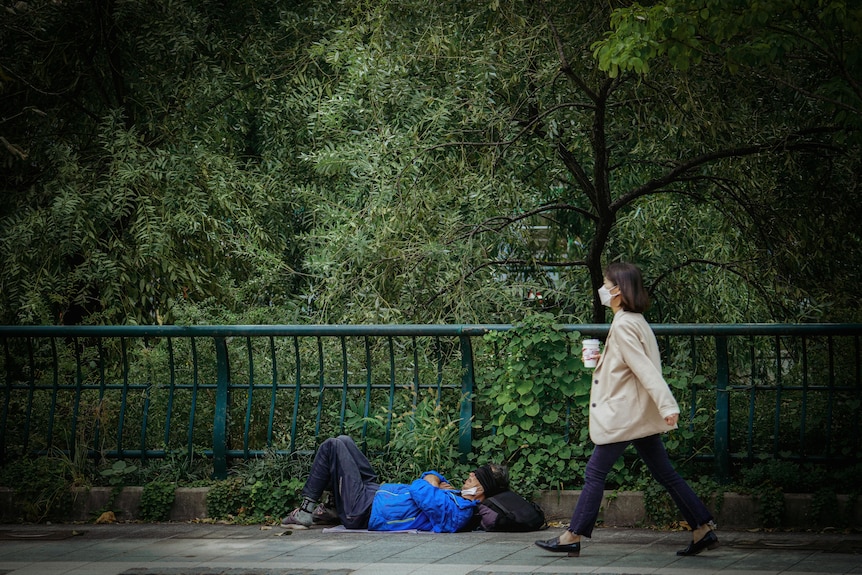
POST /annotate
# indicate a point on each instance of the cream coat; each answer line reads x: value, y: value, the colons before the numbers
x: 629, y: 398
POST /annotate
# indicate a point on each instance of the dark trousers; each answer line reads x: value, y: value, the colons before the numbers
x: 652, y: 451
x: 341, y: 468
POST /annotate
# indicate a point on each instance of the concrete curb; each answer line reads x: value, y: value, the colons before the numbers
x: 189, y: 503
x: 619, y: 509
x: 735, y: 511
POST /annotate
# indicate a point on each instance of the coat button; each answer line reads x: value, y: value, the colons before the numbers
x: 596, y: 381
x: 594, y: 405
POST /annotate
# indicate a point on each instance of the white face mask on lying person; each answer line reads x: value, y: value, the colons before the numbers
x: 470, y: 491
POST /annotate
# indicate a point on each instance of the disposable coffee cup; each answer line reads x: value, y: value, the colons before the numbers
x: 590, y: 353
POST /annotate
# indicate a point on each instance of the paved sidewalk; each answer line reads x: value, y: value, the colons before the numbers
x: 208, y: 549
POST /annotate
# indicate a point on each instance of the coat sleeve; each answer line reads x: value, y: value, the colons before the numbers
x: 447, y: 512
x: 632, y: 344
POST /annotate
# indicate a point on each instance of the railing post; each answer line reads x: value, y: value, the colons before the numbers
x: 722, y: 411
x: 7, y: 398
x: 465, y: 435
x: 221, y: 404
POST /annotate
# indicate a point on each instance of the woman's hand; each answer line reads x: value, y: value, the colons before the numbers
x: 590, y: 354
x: 671, y: 419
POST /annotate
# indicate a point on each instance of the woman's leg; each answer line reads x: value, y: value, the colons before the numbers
x: 340, y: 467
x: 652, y: 451
x: 590, y: 501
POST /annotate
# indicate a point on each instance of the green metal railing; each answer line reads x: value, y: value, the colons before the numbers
x: 229, y: 392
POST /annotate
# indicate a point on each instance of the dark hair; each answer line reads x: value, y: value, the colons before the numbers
x: 493, y: 477
x: 627, y: 277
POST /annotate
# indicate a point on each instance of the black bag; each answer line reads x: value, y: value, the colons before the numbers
x: 508, y: 511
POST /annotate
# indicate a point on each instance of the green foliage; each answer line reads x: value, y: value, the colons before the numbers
x: 259, y: 490
x: 770, y: 479
x: 694, y: 432
x: 536, y: 401
x: 785, y: 475
x: 78, y: 466
x: 346, y: 162
x: 799, y: 61
x: 825, y: 509
x: 41, y: 488
x: 770, y: 501
x: 156, y: 500
x: 177, y: 467
x: 660, y: 509
x: 744, y: 33
x: 242, y: 500
x: 270, y: 501
x: 135, y: 203
x: 423, y: 437
x: 118, y: 473
x: 350, y: 162
x: 227, y: 498
x: 272, y: 468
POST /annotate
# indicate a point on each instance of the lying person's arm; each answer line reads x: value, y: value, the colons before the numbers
x: 436, y: 480
x: 447, y: 512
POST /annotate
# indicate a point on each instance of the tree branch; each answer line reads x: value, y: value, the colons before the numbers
x: 731, y: 267
x: 577, y: 171
x: 813, y: 96
x: 64, y: 95
x: 13, y: 149
x: 506, y: 262
x: 677, y: 173
x: 497, y: 223
x: 832, y: 53
x: 502, y: 144
x: 565, y: 67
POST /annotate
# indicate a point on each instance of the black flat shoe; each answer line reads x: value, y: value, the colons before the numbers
x: 573, y: 549
x: 708, y: 541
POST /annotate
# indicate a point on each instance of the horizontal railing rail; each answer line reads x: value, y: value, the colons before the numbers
x: 227, y: 392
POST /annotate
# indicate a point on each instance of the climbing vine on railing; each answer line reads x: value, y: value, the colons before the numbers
x: 535, y: 400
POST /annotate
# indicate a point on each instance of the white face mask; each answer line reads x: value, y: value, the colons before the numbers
x: 605, y: 296
x: 470, y: 491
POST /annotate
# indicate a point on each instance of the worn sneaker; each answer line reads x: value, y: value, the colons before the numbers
x: 301, y: 517
x: 298, y: 519
x: 324, y: 515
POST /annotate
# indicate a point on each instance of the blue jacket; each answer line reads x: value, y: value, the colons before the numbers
x: 420, y: 505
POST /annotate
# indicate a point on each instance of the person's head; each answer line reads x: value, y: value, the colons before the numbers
x: 486, y: 481
x: 626, y: 286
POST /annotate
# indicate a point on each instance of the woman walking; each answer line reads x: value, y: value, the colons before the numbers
x: 631, y: 404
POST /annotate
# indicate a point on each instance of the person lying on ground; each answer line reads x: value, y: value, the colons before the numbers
x: 429, y: 503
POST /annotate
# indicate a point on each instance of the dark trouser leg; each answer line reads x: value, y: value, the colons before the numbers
x: 587, y: 510
x: 343, y: 469
x: 652, y: 451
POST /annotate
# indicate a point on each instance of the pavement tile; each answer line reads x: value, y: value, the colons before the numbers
x: 207, y: 549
